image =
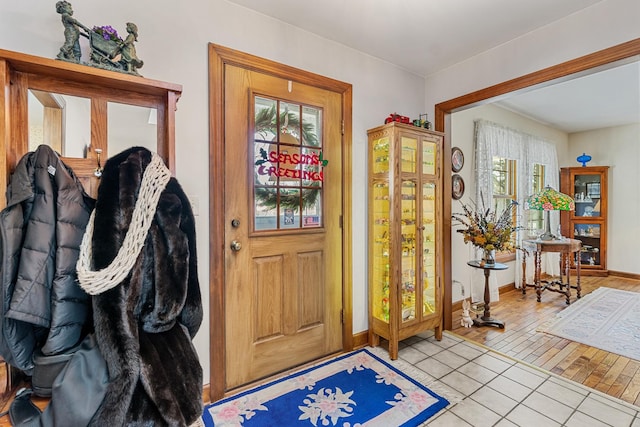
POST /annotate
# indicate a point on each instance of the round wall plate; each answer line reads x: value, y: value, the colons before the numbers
x: 457, y: 159
x: 457, y: 186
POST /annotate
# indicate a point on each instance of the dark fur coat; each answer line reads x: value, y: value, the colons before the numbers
x: 144, y: 326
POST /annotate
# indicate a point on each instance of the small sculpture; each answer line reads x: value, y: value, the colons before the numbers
x: 108, y: 49
x: 70, y: 50
x: 466, y: 321
x: 130, y: 60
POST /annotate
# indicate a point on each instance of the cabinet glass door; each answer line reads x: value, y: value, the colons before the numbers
x: 409, y: 151
x: 589, y: 235
x: 587, y: 195
x: 429, y: 158
x: 381, y: 155
x: 428, y: 248
x: 381, y: 233
x: 408, y: 239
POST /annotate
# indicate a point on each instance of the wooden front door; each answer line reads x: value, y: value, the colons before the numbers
x: 282, y: 224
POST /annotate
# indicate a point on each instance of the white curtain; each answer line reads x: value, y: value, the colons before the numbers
x: 495, y: 140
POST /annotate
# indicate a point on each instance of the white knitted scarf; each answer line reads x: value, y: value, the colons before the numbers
x: 154, y: 180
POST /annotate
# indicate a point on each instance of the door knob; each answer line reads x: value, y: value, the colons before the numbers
x: 235, y: 223
x: 236, y: 246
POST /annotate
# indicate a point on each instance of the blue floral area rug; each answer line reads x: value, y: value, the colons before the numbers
x: 357, y: 389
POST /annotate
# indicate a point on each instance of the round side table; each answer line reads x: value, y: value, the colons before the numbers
x: 486, y: 319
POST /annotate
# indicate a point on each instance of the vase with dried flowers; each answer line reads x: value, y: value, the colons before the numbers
x: 487, y: 229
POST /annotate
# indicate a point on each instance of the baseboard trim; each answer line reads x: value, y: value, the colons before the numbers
x: 361, y: 339
x: 501, y: 290
x: 623, y: 274
x: 206, y: 390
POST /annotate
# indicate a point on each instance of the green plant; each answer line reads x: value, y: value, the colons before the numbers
x: 107, y: 32
x: 486, y: 229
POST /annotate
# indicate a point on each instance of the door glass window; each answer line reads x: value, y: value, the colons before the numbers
x: 288, y: 165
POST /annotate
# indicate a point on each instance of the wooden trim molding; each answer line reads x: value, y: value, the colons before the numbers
x: 567, y: 70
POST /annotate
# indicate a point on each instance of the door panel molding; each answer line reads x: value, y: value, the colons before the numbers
x: 219, y: 57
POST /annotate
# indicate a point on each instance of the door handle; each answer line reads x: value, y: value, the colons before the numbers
x: 236, y: 246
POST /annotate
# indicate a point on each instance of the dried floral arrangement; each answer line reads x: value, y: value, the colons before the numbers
x: 485, y: 228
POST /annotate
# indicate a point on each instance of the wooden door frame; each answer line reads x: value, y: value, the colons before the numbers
x: 219, y: 57
x: 561, y: 72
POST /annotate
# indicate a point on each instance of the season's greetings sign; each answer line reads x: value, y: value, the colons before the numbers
x: 285, y: 165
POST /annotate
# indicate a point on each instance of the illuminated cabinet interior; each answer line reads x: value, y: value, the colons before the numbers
x: 405, y: 236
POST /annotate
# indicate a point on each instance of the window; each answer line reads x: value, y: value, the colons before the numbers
x: 504, y: 183
x: 505, y: 178
x: 288, y: 165
x: 509, y: 162
x: 536, y: 219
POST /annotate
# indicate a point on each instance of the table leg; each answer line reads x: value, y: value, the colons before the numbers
x: 561, y: 267
x: 536, y: 278
x: 486, y: 319
x: 578, y: 288
x: 567, y: 270
x: 524, y: 274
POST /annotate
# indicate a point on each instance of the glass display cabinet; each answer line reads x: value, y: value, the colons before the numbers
x: 588, y: 223
x: 405, y: 199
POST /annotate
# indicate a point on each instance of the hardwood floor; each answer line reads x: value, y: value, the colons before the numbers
x: 606, y: 372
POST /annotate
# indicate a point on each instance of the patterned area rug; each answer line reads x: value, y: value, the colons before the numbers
x: 608, y: 319
x: 357, y: 389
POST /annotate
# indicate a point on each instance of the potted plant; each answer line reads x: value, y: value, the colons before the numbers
x: 486, y: 229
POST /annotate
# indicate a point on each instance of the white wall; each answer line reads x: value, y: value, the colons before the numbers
x: 605, y: 24
x: 462, y: 135
x: 173, y: 45
x: 619, y: 148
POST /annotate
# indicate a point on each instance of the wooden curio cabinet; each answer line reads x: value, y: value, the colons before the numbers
x: 588, y: 222
x: 405, y: 233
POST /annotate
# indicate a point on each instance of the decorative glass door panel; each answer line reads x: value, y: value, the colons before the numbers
x: 408, y: 239
x: 288, y: 165
x: 428, y: 248
x: 587, y: 195
x: 380, y: 261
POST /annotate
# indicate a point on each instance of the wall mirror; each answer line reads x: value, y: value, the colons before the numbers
x: 84, y: 113
x: 570, y: 72
x: 62, y: 122
x: 129, y: 126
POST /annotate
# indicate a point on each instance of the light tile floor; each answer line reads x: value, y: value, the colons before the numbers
x: 486, y: 388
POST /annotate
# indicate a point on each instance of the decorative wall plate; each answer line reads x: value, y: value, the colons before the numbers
x: 457, y: 159
x: 457, y: 186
